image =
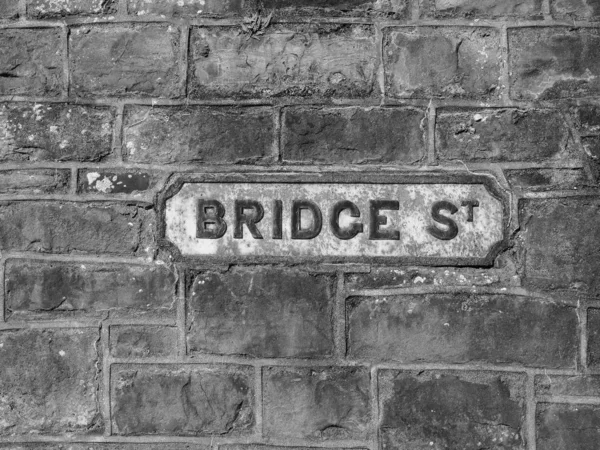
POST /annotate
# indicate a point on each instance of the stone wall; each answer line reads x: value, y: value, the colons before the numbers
x: 108, y: 342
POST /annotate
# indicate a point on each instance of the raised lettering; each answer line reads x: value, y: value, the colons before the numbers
x: 451, y: 229
x: 210, y: 223
x: 350, y: 231
x: 376, y: 220
x: 298, y: 232
x: 247, y: 212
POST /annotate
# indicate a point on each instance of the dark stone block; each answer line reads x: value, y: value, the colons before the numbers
x: 567, y: 427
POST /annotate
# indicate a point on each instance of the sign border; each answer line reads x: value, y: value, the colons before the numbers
x: 176, y: 182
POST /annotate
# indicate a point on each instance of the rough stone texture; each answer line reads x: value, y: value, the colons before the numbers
x: 41, y: 9
x: 55, y: 132
x: 576, y: 9
x: 462, y: 328
x: 111, y: 182
x: 546, y: 179
x: 470, y: 9
x: 174, y: 135
x: 586, y: 119
x: 460, y: 62
x: 392, y: 9
x: 567, y: 427
x: 104, y: 446
x: 501, y: 135
x: 439, y: 411
x: 354, y: 135
x: 185, y: 8
x: 334, y: 60
x: 316, y: 404
x: 275, y: 447
x: 43, y: 181
x: 572, y: 261
x: 48, y: 381
x: 9, y: 9
x: 130, y: 341
x: 567, y: 385
x: 554, y: 63
x: 47, y: 289
x: 188, y: 400
x: 31, y: 62
x: 61, y: 227
x: 390, y: 277
x: 136, y: 60
x: 593, y: 326
x: 261, y: 312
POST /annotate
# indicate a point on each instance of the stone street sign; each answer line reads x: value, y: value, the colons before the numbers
x: 428, y: 219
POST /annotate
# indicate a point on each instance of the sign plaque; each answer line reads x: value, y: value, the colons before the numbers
x: 416, y: 219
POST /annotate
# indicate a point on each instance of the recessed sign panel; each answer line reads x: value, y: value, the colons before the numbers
x: 431, y: 222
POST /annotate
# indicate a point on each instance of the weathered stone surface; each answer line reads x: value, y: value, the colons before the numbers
x: 48, y: 381
x: 593, y: 326
x: 316, y: 403
x: 460, y: 62
x: 576, y: 9
x: 34, y: 181
x: 334, y: 60
x: 261, y: 312
x: 189, y: 400
x: 470, y: 9
x: 185, y: 8
x: 546, y: 179
x: 462, y: 328
x: 111, y: 182
x: 138, y: 60
x: 586, y: 119
x: 451, y: 410
x: 501, y: 135
x: 354, y: 135
x: 31, y: 62
x: 396, y: 9
x: 391, y: 277
x: 572, y: 260
x: 273, y: 447
x: 55, y: 132
x: 40, y: 9
x: 131, y: 341
x: 61, y: 227
x: 173, y: 135
x: 104, y: 446
x: 9, y: 9
x: 46, y: 289
x: 566, y: 385
x: 567, y: 427
x: 553, y: 63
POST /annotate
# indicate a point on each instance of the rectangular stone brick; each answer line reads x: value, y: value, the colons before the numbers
x: 115, y: 182
x: 576, y: 9
x: 31, y: 62
x: 391, y: 9
x: 546, y: 179
x: 452, y: 410
x: 490, y: 9
x: 462, y: 328
x: 43, y: 181
x: 570, y: 226
x: 136, y: 60
x: 593, y: 327
x: 51, y: 290
x: 9, y: 9
x: 553, y: 63
x: 175, y: 135
x: 330, y: 60
x: 188, y: 400
x: 284, y: 313
x: 274, y: 447
x: 185, y: 8
x: 316, y: 403
x: 576, y: 386
x: 354, y: 135
x: 501, y: 135
x: 138, y: 341
x: 587, y: 119
x: 49, y: 382
x: 425, y: 62
x: 567, y: 427
x: 55, y: 132
x: 63, y: 227
x: 42, y: 9
x: 68, y: 445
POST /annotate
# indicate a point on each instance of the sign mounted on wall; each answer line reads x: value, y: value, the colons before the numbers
x: 421, y: 219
